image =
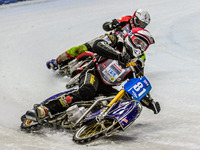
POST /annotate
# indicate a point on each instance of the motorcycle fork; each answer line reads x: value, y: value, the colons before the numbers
x: 101, y: 116
x: 115, y: 99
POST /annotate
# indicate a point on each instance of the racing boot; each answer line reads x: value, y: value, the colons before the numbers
x: 52, y: 64
x: 42, y: 111
x: 151, y: 104
x: 51, y: 107
x: 39, y: 112
x: 54, y: 106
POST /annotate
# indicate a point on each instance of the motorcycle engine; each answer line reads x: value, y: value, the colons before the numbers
x: 74, y: 113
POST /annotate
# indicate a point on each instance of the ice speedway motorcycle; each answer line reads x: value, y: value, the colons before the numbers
x: 101, y: 117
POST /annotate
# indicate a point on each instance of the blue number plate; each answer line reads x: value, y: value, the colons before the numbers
x: 138, y: 87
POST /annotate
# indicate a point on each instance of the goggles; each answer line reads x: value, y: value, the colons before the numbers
x: 138, y: 43
x: 140, y: 23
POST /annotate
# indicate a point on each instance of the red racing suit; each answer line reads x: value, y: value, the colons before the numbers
x: 121, y: 22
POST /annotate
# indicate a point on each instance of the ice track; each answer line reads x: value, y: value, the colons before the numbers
x: 35, y: 31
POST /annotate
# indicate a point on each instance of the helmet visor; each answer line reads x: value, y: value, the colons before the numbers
x: 131, y: 48
x: 140, y: 23
x: 138, y: 43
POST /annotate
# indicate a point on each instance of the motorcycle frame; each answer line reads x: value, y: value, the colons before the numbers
x: 103, y: 113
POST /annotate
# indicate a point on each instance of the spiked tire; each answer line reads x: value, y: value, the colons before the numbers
x: 92, y: 131
x: 29, y: 125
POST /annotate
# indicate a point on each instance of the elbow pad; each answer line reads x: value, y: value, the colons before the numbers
x: 101, y: 47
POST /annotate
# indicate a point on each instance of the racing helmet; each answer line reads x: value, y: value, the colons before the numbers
x: 137, y: 41
x: 140, y: 18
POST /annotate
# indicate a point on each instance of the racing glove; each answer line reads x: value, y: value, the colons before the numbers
x: 107, y: 26
x: 115, y: 24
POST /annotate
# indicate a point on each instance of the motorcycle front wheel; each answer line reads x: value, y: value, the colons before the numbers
x: 92, y: 131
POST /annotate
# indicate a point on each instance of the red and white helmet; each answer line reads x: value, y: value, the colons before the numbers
x: 137, y: 41
x: 140, y: 18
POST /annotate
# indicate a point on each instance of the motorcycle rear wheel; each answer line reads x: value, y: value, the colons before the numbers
x: 92, y: 131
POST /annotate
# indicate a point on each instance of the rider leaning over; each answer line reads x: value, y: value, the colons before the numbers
x: 111, y: 48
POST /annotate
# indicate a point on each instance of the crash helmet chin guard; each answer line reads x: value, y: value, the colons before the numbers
x: 140, y: 18
x: 137, y: 41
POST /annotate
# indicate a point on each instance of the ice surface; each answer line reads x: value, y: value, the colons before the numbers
x: 36, y: 31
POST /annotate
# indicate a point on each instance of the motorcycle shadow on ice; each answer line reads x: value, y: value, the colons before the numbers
x: 134, y: 133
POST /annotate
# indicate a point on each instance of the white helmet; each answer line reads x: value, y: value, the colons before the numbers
x: 141, y: 18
